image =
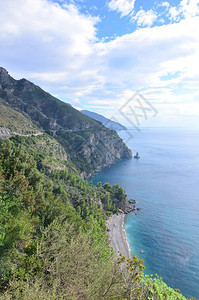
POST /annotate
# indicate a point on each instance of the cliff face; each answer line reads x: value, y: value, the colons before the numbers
x: 89, y: 145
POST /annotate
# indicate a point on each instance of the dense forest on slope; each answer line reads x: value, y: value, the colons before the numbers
x: 89, y: 145
x: 53, y: 240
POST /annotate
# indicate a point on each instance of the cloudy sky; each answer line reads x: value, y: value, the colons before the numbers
x: 95, y: 54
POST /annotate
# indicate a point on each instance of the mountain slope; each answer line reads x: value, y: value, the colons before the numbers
x: 15, y: 123
x: 105, y: 121
x: 89, y: 145
x: 49, y: 153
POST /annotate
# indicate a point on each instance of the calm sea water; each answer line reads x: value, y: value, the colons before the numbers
x: 165, y: 184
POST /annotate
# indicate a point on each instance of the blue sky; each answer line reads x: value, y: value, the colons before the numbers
x: 114, y: 23
x: 97, y: 54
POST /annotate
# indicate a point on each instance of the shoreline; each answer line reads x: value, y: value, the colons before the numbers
x: 117, y: 235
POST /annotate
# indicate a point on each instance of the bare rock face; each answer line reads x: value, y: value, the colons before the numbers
x: 89, y: 145
x: 5, y: 133
x: 4, y: 76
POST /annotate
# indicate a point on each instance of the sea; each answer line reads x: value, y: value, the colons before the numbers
x: 165, y: 184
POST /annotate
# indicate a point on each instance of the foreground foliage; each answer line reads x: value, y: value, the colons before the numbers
x: 53, y: 241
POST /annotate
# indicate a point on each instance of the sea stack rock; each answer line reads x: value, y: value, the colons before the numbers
x: 137, y: 155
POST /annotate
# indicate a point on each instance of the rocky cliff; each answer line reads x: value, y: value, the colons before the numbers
x: 89, y: 145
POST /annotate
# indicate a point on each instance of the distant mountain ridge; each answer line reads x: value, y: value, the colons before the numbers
x: 88, y: 144
x: 105, y: 121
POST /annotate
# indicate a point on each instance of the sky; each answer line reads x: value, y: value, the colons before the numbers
x: 134, y: 61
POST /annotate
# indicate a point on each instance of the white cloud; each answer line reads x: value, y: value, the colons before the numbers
x: 39, y: 30
x: 165, y: 4
x: 124, y: 7
x: 174, y: 14
x: 189, y: 8
x: 186, y: 9
x: 137, y: 61
x: 145, y: 18
x: 64, y: 57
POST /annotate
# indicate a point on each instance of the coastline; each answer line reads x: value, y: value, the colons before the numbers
x: 117, y: 234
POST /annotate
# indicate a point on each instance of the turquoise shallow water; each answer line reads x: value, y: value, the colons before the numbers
x: 165, y: 184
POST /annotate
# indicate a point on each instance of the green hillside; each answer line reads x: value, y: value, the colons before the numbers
x: 53, y: 240
x: 15, y: 121
x: 89, y: 145
x: 50, y: 155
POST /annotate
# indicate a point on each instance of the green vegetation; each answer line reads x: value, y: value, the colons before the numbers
x: 53, y: 241
x: 47, y: 152
x: 15, y: 121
